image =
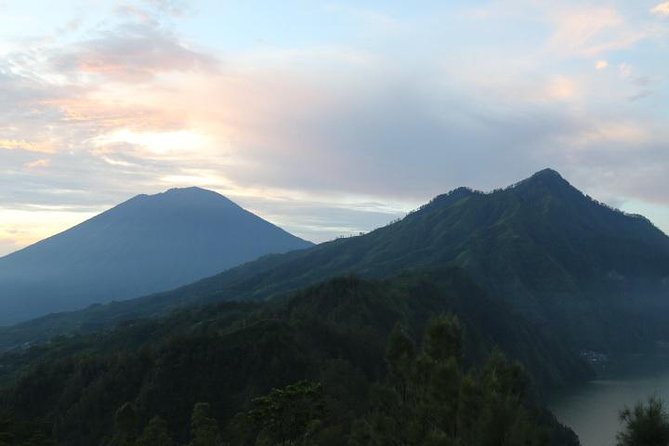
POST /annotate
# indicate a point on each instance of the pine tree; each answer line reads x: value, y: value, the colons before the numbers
x: 645, y: 424
x: 287, y: 416
x: 6, y: 436
x: 126, y: 425
x: 429, y: 400
x: 204, y: 428
x: 155, y: 433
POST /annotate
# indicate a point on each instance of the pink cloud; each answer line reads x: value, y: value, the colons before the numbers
x: 661, y: 9
x: 135, y: 52
x: 28, y: 146
x: 591, y: 31
x: 37, y: 164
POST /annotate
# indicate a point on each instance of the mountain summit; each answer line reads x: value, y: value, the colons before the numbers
x: 147, y: 244
x: 547, y: 174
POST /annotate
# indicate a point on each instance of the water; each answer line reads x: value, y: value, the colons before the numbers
x: 591, y: 410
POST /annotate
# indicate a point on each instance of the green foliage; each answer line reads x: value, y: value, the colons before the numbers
x: 204, y: 428
x: 21, y: 433
x: 286, y: 416
x: 348, y: 334
x: 156, y: 433
x: 430, y: 400
x: 400, y: 355
x: 126, y: 425
x: 6, y: 435
x: 444, y: 339
x: 644, y: 424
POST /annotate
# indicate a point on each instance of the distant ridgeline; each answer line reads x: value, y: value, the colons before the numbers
x: 148, y: 244
x: 593, y: 276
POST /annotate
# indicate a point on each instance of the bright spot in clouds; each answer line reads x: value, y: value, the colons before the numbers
x: 28, y: 146
x: 562, y: 88
x: 156, y: 143
x: 19, y: 228
x: 44, y: 162
x: 661, y: 9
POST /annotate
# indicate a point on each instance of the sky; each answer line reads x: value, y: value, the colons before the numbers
x: 328, y: 118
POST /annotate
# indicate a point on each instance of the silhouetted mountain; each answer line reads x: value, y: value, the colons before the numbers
x: 595, y: 275
x: 144, y: 245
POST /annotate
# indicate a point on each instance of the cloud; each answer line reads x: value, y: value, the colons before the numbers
x: 19, y: 228
x: 28, y: 146
x: 661, y: 9
x: 371, y: 18
x: 612, y: 135
x: 626, y: 70
x: 325, y: 138
x: 130, y: 53
x: 175, y: 8
x: 152, y: 11
x: 37, y: 164
x: 561, y: 88
x: 591, y: 31
x: 365, y: 130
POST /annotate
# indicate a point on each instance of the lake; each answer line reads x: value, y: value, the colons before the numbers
x: 591, y: 410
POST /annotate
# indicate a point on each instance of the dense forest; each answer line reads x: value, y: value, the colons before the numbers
x: 344, y: 354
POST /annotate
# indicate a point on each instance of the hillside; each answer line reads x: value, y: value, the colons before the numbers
x: 566, y: 262
x: 147, y: 244
x: 334, y: 333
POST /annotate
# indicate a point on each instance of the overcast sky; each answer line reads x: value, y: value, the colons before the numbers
x: 326, y: 117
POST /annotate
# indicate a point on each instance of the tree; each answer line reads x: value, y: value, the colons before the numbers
x: 15, y: 432
x: 6, y: 436
x: 155, y: 434
x: 400, y: 356
x: 429, y: 400
x: 418, y: 403
x: 444, y: 338
x: 505, y: 377
x: 204, y: 428
x: 290, y: 415
x: 644, y: 424
x: 126, y: 425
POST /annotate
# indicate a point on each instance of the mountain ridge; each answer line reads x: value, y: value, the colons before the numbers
x: 556, y: 256
x: 146, y: 244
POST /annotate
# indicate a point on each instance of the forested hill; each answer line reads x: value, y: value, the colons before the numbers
x: 147, y: 244
x: 553, y: 254
x: 335, y: 335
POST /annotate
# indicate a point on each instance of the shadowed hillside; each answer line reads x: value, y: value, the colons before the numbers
x: 334, y: 333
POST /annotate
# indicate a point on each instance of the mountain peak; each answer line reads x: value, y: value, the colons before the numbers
x: 546, y: 179
x: 195, y: 196
x: 192, y: 191
x: 548, y: 173
x: 188, y: 190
